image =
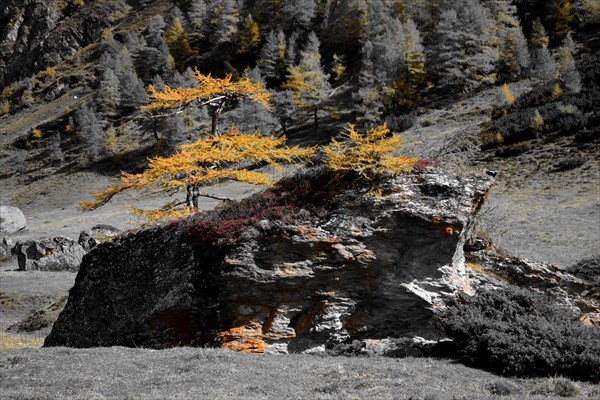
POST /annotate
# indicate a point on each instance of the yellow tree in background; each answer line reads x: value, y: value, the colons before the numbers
x: 207, y: 161
x: 216, y: 93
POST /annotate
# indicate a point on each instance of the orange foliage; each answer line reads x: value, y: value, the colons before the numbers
x: 209, y: 91
x: 369, y: 155
x: 204, y: 162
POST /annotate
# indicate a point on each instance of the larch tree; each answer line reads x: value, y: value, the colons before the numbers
x: 308, y: 81
x: 205, y: 162
x: 178, y: 42
x: 249, y: 35
x: 215, y: 93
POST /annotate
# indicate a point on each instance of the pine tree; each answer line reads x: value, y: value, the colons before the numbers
x: 285, y: 109
x: 89, y: 132
x: 569, y: 75
x: 513, y: 58
x: 225, y: 17
x: 270, y: 55
x: 108, y: 96
x: 539, y: 37
x: 369, y: 98
x: 291, y: 49
x: 198, y: 16
x: 153, y: 59
x: 308, y: 81
x: 298, y: 13
x: 463, y: 56
x: 544, y: 65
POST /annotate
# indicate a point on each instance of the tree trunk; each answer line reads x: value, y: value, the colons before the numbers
x: 316, y: 120
x: 214, y: 129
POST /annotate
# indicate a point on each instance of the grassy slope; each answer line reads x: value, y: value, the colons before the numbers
x: 121, y: 373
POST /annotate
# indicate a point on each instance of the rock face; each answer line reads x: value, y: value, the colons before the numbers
x: 11, y: 220
x: 353, y: 268
x: 88, y: 239
x: 41, y: 33
x: 57, y: 254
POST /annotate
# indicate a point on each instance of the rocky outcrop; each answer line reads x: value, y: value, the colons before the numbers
x: 346, y: 267
x: 88, y: 239
x: 11, y: 220
x: 56, y: 254
x: 41, y: 33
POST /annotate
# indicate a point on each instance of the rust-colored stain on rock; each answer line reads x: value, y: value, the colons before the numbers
x: 245, y: 339
x: 439, y: 225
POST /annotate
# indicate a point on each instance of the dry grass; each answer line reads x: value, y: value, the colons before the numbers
x: 188, y: 373
x: 10, y: 342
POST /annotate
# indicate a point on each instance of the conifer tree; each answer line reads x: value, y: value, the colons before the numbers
x: 204, y: 162
x: 217, y: 94
x: 249, y: 35
x: 569, y: 75
x: 308, y: 81
x: 109, y: 95
x: 54, y: 150
x: 285, y: 109
x: 153, y: 59
x: 89, y: 132
x: 178, y: 42
x: 369, y: 98
x: 291, y: 49
x: 545, y: 66
x: 539, y: 38
x: 198, y: 16
x: 225, y: 17
x: 271, y: 55
x: 298, y: 13
x: 462, y: 56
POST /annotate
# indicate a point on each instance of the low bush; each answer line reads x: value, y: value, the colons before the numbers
x: 278, y: 204
x: 513, y: 149
x: 516, y: 332
x: 569, y: 163
x: 587, y: 269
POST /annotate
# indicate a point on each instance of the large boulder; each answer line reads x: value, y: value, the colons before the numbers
x: 11, y: 220
x: 56, y: 254
x: 306, y: 265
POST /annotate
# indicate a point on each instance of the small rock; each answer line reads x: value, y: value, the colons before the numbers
x: 88, y: 239
x: 56, y: 254
x: 6, y: 247
x: 11, y: 220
